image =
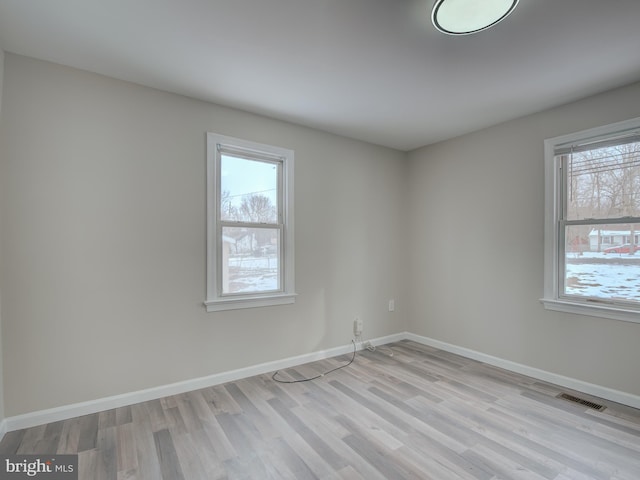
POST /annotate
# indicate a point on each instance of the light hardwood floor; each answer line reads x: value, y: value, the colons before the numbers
x: 422, y: 413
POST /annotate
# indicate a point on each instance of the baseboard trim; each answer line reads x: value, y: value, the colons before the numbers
x: 65, y: 412
x: 567, y: 382
x: 85, y: 408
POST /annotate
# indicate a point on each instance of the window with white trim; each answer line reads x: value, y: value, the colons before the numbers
x: 250, y: 250
x: 592, y: 222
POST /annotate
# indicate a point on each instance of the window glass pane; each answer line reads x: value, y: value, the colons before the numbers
x: 603, y: 182
x: 601, y: 264
x: 250, y: 260
x: 249, y: 190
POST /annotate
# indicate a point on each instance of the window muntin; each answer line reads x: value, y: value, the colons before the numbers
x: 592, y: 254
x: 250, y: 239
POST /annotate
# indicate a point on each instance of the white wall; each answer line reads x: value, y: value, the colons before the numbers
x: 476, y: 240
x: 1, y: 163
x: 102, y: 200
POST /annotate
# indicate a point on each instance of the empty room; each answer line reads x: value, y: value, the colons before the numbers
x: 319, y: 239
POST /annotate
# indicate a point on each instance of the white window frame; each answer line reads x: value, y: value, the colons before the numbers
x: 215, y: 300
x: 553, y: 236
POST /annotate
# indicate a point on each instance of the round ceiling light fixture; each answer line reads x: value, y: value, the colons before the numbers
x: 463, y: 17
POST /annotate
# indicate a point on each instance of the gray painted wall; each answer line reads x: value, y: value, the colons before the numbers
x: 103, y: 237
x: 476, y: 237
x: 102, y: 201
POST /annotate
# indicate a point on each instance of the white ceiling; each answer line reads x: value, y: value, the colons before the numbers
x: 375, y: 70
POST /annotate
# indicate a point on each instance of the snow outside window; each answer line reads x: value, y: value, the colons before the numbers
x: 250, y: 224
x: 592, y: 224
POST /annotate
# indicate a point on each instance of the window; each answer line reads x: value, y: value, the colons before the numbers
x: 250, y: 249
x: 592, y: 222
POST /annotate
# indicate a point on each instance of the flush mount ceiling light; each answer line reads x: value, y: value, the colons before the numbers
x: 462, y: 17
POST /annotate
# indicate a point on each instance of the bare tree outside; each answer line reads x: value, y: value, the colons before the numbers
x: 257, y: 208
x: 227, y: 209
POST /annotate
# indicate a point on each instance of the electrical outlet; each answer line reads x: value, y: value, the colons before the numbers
x: 357, y: 327
x: 392, y: 305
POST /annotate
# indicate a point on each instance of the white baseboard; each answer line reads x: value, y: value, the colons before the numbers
x: 85, y: 408
x: 567, y: 382
x: 65, y: 412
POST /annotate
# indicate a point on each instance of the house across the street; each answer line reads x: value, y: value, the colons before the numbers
x: 600, y: 239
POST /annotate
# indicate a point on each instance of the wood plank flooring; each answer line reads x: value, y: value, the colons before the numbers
x: 421, y: 413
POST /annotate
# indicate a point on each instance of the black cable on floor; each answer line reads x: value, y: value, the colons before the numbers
x: 273, y: 377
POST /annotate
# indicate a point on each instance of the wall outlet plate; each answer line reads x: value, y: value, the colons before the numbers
x: 357, y: 327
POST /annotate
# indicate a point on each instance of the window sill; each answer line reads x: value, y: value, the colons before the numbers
x: 592, y: 310
x: 249, y: 302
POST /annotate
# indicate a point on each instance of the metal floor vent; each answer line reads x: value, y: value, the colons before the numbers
x: 581, y: 401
